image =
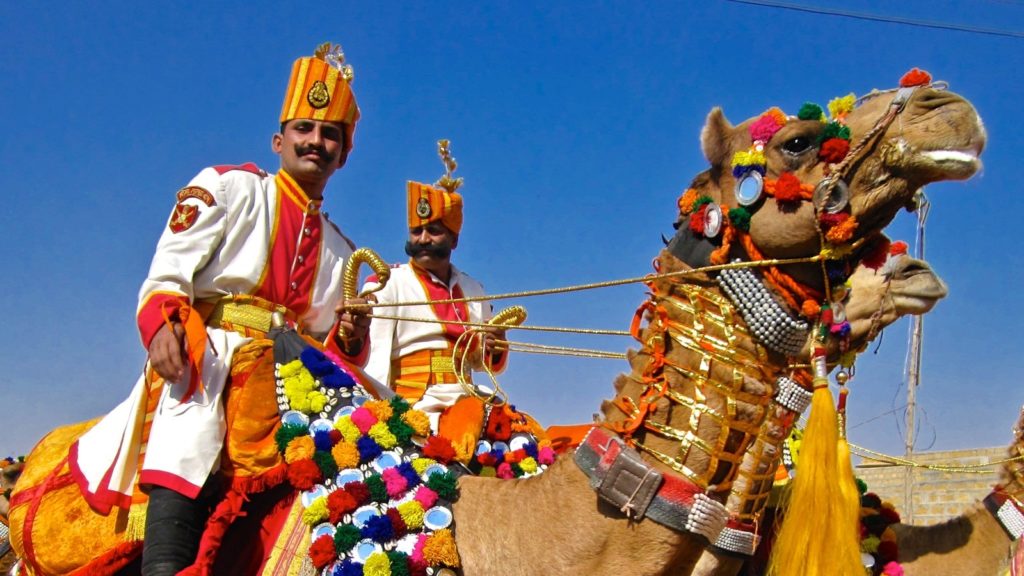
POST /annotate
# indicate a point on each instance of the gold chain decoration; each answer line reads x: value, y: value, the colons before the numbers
x: 964, y: 469
x: 708, y: 314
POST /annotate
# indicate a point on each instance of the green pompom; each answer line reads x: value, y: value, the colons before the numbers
x: 399, y: 563
x: 740, y: 218
x: 862, y: 486
x: 288, y: 432
x: 517, y: 470
x: 810, y: 111
x: 402, y: 431
x: 834, y: 130
x: 378, y: 491
x: 399, y: 405
x: 345, y: 537
x: 444, y: 483
x: 700, y: 201
x: 325, y: 461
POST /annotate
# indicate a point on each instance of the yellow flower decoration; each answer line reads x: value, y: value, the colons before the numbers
x: 300, y: 448
x: 528, y: 464
x: 749, y: 158
x: 418, y: 421
x: 412, y: 514
x: 348, y: 430
x: 440, y: 549
x: 346, y: 455
x: 290, y: 369
x: 840, y: 107
x: 420, y: 464
x: 488, y: 472
x: 686, y: 201
x: 870, y: 544
x: 381, y: 435
x: 378, y: 564
x: 317, y: 400
x: 381, y: 409
x: 316, y: 512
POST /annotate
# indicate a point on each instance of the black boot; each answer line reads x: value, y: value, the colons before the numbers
x: 174, y: 525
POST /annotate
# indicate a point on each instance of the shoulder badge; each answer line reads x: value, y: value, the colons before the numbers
x: 198, y: 193
x: 183, y: 217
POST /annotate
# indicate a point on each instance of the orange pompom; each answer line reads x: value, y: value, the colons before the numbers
x: 916, y: 77
x: 686, y: 201
x: 842, y: 232
x: 898, y: 247
x: 810, y: 309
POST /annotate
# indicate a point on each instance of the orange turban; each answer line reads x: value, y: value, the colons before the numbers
x: 320, y: 89
x: 429, y: 204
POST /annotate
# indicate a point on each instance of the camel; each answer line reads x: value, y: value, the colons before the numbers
x: 9, y: 473
x: 904, y: 286
x: 704, y: 377
x: 976, y: 541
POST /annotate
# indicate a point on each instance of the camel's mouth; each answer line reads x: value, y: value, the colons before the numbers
x: 926, y: 166
x: 915, y: 287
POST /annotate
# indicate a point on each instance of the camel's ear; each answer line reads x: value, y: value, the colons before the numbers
x: 715, y: 137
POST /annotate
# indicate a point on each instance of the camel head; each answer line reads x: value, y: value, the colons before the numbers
x: 793, y: 184
x: 1012, y: 474
x: 9, y: 473
x: 877, y: 298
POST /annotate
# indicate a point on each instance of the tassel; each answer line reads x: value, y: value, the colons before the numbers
x: 135, y: 529
x: 818, y: 536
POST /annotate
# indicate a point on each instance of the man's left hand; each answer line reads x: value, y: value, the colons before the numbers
x: 494, y: 338
x: 354, y: 319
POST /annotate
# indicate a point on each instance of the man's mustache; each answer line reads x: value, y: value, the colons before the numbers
x: 321, y: 152
x: 443, y: 250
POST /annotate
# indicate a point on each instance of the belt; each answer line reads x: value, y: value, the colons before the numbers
x: 243, y: 313
x: 619, y: 476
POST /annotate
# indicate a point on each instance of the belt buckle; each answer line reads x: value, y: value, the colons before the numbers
x: 439, y: 364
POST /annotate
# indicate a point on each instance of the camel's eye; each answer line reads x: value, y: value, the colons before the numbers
x: 797, y: 145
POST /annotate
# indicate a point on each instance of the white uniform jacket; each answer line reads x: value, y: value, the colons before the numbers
x: 235, y: 230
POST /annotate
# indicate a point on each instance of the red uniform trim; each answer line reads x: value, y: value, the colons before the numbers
x: 170, y: 481
x: 451, y: 312
x: 247, y: 167
x: 155, y: 311
x: 104, y: 498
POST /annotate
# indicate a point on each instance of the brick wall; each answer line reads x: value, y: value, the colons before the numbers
x: 937, y: 495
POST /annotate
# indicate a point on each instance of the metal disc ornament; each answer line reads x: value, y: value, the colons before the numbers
x: 712, y: 220
x: 749, y: 188
x: 831, y: 200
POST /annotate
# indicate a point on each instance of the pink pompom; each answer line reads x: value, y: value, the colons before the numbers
x: 426, y: 497
x: 505, y: 471
x: 892, y: 569
x: 546, y: 456
x: 363, y: 419
x: 764, y: 128
x: 394, y: 482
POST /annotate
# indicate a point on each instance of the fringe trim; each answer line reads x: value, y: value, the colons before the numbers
x: 228, y: 510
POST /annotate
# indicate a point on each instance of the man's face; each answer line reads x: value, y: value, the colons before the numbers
x: 311, y: 150
x: 431, y: 246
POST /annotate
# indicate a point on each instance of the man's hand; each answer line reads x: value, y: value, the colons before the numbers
x: 167, y: 352
x: 354, y: 319
x: 492, y: 335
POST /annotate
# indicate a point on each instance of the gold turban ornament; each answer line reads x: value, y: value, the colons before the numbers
x: 439, y: 202
x: 320, y: 88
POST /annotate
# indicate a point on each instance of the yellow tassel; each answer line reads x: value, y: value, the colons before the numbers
x: 135, y: 529
x: 818, y: 538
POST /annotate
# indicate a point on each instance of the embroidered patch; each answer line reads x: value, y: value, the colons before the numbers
x: 318, y: 96
x: 198, y: 193
x: 183, y: 217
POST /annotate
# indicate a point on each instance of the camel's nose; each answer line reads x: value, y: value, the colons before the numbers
x: 932, y: 99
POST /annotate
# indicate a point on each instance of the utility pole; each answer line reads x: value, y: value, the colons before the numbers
x: 914, y: 369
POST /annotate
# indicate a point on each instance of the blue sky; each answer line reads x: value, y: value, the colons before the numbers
x: 576, y: 128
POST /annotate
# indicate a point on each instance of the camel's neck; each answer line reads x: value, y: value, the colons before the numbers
x: 700, y: 385
x: 972, y: 543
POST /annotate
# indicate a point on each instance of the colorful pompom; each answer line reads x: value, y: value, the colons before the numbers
x: 412, y: 514
x: 810, y: 111
x: 300, y: 448
x: 915, y: 77
x: 445, y: 484
x: 426, y: 497
x: 378, y: 564
x: 439, y: 449
x: 345, y: 537
x: 843, y: 231
x: 346, y: 455
x: 834, y: 150
x: 363, y: 419
x: 740, y: 218
x: 339, y: 503
x: 304, y: 474
x: 286, y: 433
x: 322, y: 552
x: 764, y: 128
x: 686, y: 200
x: 316, y: 512
x: 418, y: 421
x: 440, y: 549
x: 788, y: 188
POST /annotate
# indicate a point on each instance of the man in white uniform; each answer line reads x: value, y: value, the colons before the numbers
x: 418, y: 360
x: 240, y: 245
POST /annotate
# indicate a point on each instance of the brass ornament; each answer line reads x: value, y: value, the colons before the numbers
x: 332, y: 54
x: 447, y: 181
x: 318, y: 96
x: 423, y: 208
